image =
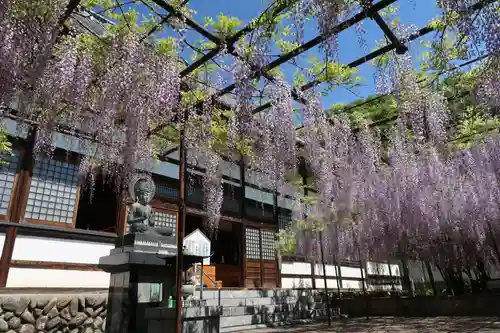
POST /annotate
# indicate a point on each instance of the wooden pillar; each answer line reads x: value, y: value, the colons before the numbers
x: 261, y: 260
x: 276, y: 223
x: 121, y: 215
x: 180, y: 225
x: 243, y: 252
x: 339, y: 277
x: 19, y: 193
x: 313, y: 274
x: 8, y: 248
x: 363, y: 280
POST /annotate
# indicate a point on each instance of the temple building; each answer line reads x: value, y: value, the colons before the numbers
x: 53, y: 230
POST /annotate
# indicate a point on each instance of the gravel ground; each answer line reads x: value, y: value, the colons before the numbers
x: 391, y: 324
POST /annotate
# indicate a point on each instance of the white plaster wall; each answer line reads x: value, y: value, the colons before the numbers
x: 298, y: 268
x: 351, y: 284
x: 330, y: 270
x: 386, y: 287
x: 330, y: 283
x: 373, y: 268
x: 293, y: 283
x: 350, y: 276
x: 351, y: 272
x: 58, y: 250
x: 53, y: 278
x: 2, y: 240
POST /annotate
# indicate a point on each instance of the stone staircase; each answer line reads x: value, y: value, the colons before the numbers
x: 251, y: 309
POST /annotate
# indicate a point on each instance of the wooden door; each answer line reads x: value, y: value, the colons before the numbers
x: 261, y: 267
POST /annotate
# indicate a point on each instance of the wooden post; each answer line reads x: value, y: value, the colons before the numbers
x: 180, y: 225
x: 8, y: 249
x: 361, y: 268
x: 320, y: 235
x: 261, y: 260
x: 276, y: 223
x: 243, y: 252
x: 313, y: 274
x: 338, y: 278
x: 121, y: 215
x: 19, y: 193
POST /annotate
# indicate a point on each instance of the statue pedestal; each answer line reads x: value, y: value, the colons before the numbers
x: 143, y: 273
x: 163, y: 245
x: 138, y: 281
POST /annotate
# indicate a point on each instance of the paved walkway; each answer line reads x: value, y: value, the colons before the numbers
x: 391, y: 324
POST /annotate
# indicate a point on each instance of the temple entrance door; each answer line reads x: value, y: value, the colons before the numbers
x: 223, y: 270
x: 261, y: 266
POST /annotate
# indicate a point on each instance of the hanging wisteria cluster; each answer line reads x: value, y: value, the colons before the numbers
x: 202, y: 153
x: 112, y: 89
x: 482, y: 29
x: 414, y: 196
x: 424, y: 199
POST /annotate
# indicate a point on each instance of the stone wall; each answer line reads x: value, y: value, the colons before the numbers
x: 53, y: 314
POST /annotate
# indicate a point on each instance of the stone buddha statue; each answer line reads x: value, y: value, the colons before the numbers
x: 140, y: 214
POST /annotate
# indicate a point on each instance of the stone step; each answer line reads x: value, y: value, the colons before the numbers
x: 211, y: 293
x: 256, y: 319
x: 253, y: 310
x: 246, y: 328
x: 247, y: 302
x: 257, y: 327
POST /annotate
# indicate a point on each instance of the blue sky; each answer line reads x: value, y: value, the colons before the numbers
x: 416, y: 12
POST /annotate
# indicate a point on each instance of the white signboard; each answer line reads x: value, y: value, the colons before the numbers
x: 198, y: 244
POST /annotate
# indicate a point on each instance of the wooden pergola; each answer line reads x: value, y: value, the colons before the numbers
x: 368, y: 11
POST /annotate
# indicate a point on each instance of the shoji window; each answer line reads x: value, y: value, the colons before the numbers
x: 8, y: 170
x: 53, y: 193
x: 252, y: 243
x: 165, y: 219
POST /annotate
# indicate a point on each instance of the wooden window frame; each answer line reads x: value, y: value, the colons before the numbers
x: 61, y: 156
x: 14, y: 202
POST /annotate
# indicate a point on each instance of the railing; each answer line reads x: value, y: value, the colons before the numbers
x: 198, y: 269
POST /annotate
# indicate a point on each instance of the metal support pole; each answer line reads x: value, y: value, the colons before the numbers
x: 181, y: 224
x: 338, y: 278
x: 201, y: 282
x: 324, y: 277
x: 363, y: 286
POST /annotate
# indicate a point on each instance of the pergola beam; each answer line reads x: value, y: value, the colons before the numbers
x: 366, y: 12
x: 229, y: 43
x: 193, y: 24
x: 312, y: 43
